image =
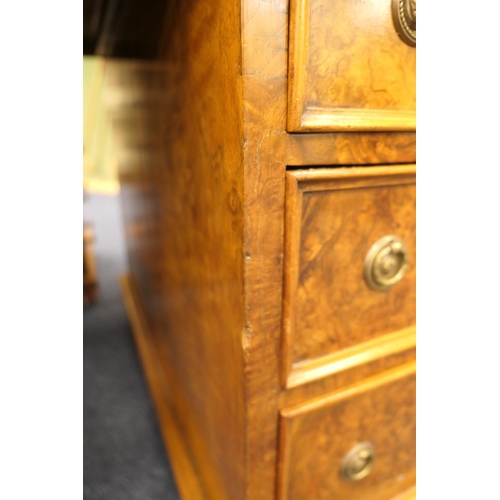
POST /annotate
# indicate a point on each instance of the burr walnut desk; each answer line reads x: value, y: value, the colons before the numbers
x: 267, y: 167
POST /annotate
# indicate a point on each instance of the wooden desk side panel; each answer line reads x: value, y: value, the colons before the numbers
x: 178, y: 123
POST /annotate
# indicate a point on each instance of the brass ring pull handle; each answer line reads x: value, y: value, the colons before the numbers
x: 358, y: 462
x: 385, y: 263
x: 404, y: 15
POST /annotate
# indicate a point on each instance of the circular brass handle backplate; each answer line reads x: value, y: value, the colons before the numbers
x: 358, y: 462
x: 404, y: 15
x: 385, y: 263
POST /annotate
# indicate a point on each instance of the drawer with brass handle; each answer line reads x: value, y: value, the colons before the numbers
x: 351, y: 65
x: 358, y: 443
x: 349, y: 279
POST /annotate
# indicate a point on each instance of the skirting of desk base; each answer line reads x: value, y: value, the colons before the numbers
x: 186, y: 479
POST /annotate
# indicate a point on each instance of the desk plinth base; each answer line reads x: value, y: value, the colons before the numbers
x: 186, y: 478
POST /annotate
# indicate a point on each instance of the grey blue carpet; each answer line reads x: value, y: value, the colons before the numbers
x: 123, y: 457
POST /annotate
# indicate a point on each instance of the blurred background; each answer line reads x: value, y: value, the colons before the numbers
x: 123, y: 453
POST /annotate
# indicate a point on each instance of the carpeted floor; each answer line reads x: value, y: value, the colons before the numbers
x: 124, y: 457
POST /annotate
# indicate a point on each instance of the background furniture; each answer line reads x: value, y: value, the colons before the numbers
x: 266, y: 158
x: 90, y: 283
x: 89, y: 267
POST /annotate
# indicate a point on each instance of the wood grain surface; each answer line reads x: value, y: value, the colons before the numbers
x: 353, y: 148
x: 186, y: 476
x: 315, y: 436
x: 348, y: 69
x: 178, y: 123
x: 203, y: 154
x: 317, y: 387
x: 333, y: 217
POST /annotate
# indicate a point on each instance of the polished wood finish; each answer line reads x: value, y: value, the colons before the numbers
x: 349, y: 149
x: 409, y: 494
x: 315, y: 436
x: 185, y: 475
x: 316, y: 386
x: 348, y: 69
x: 304, y: 372
x: 182, y: 191
x: 204, y: 158
x: 333, y: 217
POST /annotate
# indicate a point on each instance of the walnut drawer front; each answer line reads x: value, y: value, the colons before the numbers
x: 333, y: 318
x: 348, y: 67
x: 358, y: 443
